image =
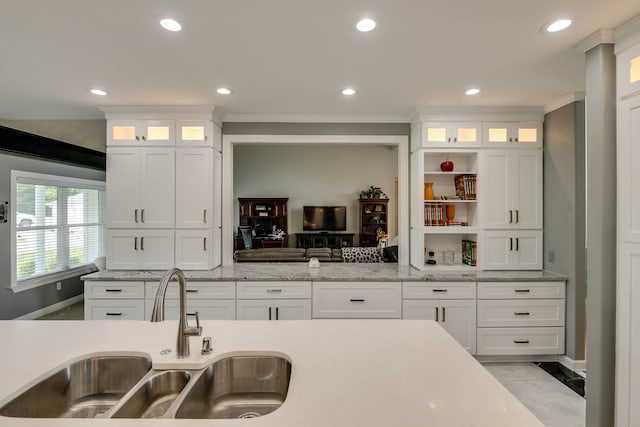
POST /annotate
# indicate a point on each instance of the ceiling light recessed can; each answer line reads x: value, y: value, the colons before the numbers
x: 98, y: 92
x: 473, y: 91
x: 170, y: 24
x: 348, y: 91
x: 365, y: 25
x: 223, y: 91
x: 558, y: 25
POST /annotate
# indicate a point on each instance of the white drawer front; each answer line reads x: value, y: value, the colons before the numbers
x: 113, y: 290
x: 501, y: 313
x: 366, y: 300
x: 438, y: 290
x: 273, y: 290
x: 224, y: 309
x: 195, y: 290
x: 114, y: 310
x: 518, y: 290
x: 520, y: 341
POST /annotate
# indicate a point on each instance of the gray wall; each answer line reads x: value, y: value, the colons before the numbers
x: 12, y: 304
x: 564, y: 214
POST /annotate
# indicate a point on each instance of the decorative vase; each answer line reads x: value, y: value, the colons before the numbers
x: 451, y: 212
x: 428, y: 190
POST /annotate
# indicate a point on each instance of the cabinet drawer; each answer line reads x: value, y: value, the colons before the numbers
x: 501, y: 313
x: 520, y: 341
x: 273, y: 290
x: 518, y: 290
x: 208, y: 309
x: 113, y: 290
x: 338, y: 300
x: 114, y: 309
x: 438, y: 290
x: 195, y: 290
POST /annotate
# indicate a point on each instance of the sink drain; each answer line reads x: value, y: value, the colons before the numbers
x: 249, y: 415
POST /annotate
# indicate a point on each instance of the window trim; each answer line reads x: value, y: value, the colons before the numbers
x: 52, y: 180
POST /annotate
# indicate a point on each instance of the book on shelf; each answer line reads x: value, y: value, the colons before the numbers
x: 469, y: 248
x: 460, y: 223
x: 465, y: 186
x: 449, y: 198
x: 434, y: 213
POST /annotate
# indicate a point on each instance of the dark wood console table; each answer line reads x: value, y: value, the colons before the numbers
x: 324, y: 240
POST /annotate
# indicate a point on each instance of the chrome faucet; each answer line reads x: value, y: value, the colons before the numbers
x: 157, y: 314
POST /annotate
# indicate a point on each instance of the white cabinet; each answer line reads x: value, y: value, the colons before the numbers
x: 510, y: 134
x: 140, y: 133
x: 511, y: 250
x: 273, y: 300
x: 193, y: 188
x: 114, y: 300
x: 212, y: 300
x: 194, y: 249
x: 514, y: 178
x: 451, y: 304
x: 364, y: 300
x: 140, y: 187
x: 628, y: 170
x: 194, y: 133
x: 454, y: 193
x: 140, y: 249
x: 521, y: 318
x: 446, y: 134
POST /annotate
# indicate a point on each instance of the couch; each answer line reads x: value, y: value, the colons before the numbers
x: 349, y: 254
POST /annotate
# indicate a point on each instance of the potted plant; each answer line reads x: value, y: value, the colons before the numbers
x: 373, y: 193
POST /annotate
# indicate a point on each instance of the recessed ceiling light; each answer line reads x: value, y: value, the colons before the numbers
x: 365, y: 25
x: 170, y: 25
x: 558, y: 25
x: 348, y: 91
x: 473, y: 91
x: 223, y: 91
x: 98, y: 92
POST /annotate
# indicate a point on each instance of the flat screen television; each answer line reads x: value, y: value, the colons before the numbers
x: 324, y: 218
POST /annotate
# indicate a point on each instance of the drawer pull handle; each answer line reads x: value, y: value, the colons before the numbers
x: 194, y: 313
x: 440, y: 290
x: 436, y: 313
x: 113, y: 290
x: 269, y: 313
x: 521, y: 313
x: 277, y: 313
x: 113, y: 314
x: 521, y: 341
x: 275, y: 291
x: 522, y: 290
x: 357, y: 300
x: 192, y: 291
x: 444, y: 314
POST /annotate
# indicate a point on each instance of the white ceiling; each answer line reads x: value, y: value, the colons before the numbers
x: 292, y: 57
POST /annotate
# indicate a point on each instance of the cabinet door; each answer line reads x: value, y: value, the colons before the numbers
x: 527, y: 250
x: 208, y: 309
x: 156, y: 132
x: 254, y: 309
x: 118, y: 309
x: 123, y: 133
x: 193, y: 188
x: 440, y: 134
x: 509, y: 134
x: 194, y: 249
x: 193, y: 133
x: 292, y: 309
x: 628, y: 170
x: 458, y: 317
x: 123, y: 250
x: 157, y: 187
x: 157, y: 247
x: 123, y: 187
x: 526, y: 194
x: 419, y: 309
x: 512, y: 250
x: 496, y: 252
x: 527, y: 135
x: 496, y: 177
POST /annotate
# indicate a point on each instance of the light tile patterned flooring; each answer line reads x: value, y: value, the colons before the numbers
x: 552, y: 402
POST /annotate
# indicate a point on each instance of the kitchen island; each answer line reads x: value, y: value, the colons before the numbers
x: 344, y: 373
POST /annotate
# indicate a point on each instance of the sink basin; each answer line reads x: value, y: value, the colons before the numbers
x: 83, y: 389
x: 238, y: 387
x: 154, y: 396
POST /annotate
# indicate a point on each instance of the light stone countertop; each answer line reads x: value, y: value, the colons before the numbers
x: 374, y: 373
x: 330, y: 271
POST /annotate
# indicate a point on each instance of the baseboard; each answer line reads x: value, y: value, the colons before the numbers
x: 51, y: 308
x: 574, y: 365
x: 517, y: 358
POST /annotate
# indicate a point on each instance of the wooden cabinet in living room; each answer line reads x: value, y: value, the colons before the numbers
x: 374, y: 218
x: 514, y: 178
x: 140, y: 187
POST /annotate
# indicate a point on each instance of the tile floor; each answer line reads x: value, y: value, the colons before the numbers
x: 555, y: 404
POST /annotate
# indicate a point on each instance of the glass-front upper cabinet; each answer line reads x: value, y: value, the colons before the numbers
x: 628, y: 70
x: 506, y: 134
x: 451, y: 135
x: 194, y: 133
x: 140, y: 132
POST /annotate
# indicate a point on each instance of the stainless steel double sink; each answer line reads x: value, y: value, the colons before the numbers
x: 125, y: 386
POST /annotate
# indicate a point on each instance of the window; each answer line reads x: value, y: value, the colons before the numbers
x: 58, y: 227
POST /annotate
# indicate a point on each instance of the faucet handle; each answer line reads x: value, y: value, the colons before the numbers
x: 194, y: 331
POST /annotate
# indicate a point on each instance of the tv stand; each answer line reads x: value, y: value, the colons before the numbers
x: 324, y: 239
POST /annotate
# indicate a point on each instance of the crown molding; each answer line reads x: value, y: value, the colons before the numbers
x: 593, y: 40
x: 167, y: 112
x: 484, y: 114
x: 314, y: 119
x: 565, y: 100
x: 627, y: 34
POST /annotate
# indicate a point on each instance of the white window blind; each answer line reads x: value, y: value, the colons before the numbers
x: 58, y: 227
